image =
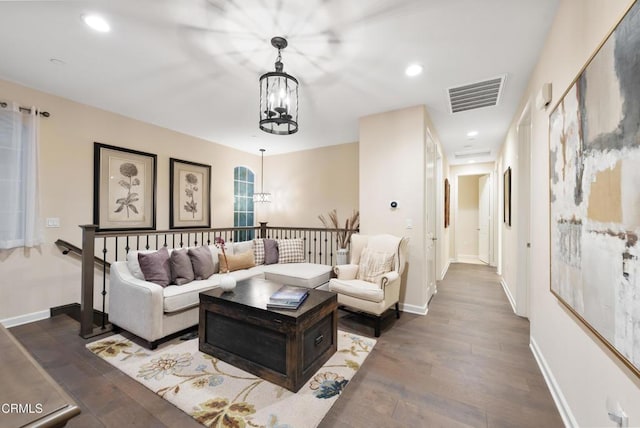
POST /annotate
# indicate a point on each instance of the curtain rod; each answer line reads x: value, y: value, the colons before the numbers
x: 27, y: 109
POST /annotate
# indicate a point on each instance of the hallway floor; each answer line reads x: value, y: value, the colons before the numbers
x: 467, y: 363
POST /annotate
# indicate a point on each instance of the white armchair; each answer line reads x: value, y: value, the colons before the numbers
x: 370, y: 283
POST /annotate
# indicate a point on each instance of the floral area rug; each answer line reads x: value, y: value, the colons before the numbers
x: 217, y: 394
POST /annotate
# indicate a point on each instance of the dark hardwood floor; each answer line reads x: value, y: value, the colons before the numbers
x: 467, y: 363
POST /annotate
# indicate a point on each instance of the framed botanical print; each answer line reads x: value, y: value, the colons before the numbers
x: 189, y: 194
x: 124, y: 188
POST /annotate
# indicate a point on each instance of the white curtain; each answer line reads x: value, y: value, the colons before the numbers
x: 20, y: 225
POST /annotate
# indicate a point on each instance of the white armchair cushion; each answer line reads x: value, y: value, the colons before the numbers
x: 346, y: 271
x: 356, y: 288
x: 373, y: 265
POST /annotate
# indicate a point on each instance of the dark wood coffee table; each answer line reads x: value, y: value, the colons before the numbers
x: 284, y: 347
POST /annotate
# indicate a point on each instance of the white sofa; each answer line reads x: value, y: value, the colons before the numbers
x: 153, y: 312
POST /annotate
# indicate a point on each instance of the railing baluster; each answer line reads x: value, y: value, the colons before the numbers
x: 104, y: 282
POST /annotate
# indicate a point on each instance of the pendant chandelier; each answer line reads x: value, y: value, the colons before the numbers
x: 262, y: 197
x: 279, y: 97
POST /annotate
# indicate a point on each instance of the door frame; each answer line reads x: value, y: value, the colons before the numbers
x: 523, y: 272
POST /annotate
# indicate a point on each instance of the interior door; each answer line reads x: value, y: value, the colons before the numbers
x: 431, y: 215
x: 484, y: 217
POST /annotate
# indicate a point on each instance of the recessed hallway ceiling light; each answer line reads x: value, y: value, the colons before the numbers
x: 97, y: 22
x: 471, y: 161
x: 413, y: 70
x: 472, y: 134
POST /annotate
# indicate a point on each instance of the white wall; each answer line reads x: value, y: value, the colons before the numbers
x: 585, y: 372
x: 467, y: 217
x: 392, y: 167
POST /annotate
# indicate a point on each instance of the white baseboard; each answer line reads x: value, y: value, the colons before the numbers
x: 25, y: 319
x: 512, y: 301
x: 414, y: 309
x: 445, y: 270
x: 561, y: 403
x: 469, y: 258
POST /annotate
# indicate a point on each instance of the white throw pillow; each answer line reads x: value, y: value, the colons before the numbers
x: 373, y: 265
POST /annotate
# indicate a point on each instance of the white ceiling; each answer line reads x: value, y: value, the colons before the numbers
x: 193, y: 65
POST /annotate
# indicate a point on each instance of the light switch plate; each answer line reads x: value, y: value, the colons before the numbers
x: 53, y: 222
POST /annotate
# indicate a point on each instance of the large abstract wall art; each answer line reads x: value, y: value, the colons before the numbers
x: 594, y: 165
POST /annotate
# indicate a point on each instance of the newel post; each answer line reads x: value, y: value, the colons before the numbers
x: 263, y: 229
x: 86, y: 294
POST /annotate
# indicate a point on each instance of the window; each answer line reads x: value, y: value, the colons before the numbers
x: 19, y: 223
x: 243, y: 179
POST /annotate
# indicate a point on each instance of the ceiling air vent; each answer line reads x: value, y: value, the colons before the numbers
x: 472, y: 153
x: 476, y: 95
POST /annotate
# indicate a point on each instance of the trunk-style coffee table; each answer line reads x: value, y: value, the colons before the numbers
x: 285, y: 347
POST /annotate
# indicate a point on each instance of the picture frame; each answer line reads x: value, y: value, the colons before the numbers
x: 506, y: 205
x: 594, y: 168
x: 189, y: 194
x: 124, y: 188
x: 447, y: 203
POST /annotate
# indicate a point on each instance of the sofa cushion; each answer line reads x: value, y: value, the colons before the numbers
x: 181, y: 268
x: 356, y: 288
x: 308, y: 275
x: 202, y: 262
x: 134, y: 265
x: 270, y: 251
x: 373, y: 265
x: 258, y: 251
x: 233, y: 262
x: 290, y: 251
x: 241, y: 247
x: 155, y: 267
x: 181, y: 297
x: 243, y: 274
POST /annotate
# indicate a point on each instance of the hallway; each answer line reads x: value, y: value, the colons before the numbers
x: 467, y: 363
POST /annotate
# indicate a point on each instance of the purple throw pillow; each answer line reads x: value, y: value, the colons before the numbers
x: 155, y: 267
x: 181, y: 269
x: 270, y: 252
x: 202, y: 262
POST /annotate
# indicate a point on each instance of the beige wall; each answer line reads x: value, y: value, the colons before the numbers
x: 392, y: 167
x: 36, y: 280
x: 455, y: 173
x: 308, y: 183
x: 467, y: 216
x: 585, y: 373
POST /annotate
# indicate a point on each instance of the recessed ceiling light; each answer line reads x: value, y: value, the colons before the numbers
x: 471, y: 161
x: 97, y: 22
x: 413, y: 70
x: 472, y: 134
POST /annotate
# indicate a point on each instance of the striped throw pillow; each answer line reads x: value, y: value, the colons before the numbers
x: 374, y: 265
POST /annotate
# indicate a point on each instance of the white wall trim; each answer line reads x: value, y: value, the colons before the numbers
x: 561, y: 403
x: 445, y: 270
x: 414, y: 309
x: 470, y: 258
x: 25, y: 319
x: 512, y: 301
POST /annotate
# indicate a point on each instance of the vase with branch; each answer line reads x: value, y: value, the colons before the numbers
x: 343, y: 235
x: 227, y: 282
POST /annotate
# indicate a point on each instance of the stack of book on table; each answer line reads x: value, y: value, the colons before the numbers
x: 287, y: 297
